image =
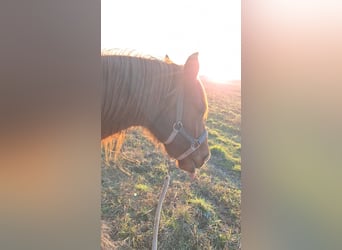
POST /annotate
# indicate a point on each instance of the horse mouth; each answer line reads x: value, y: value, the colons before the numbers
x: 189, y: 166
x: 193, y: 162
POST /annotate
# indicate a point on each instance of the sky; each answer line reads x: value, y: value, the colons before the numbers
x: 178, y: 28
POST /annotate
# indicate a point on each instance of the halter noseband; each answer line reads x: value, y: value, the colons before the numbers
x: 179, y: 128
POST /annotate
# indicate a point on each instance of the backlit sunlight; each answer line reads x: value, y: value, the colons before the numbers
x: 178, y: 28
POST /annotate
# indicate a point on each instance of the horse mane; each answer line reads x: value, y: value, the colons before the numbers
x: 134, y: 87
x: 129, y: 53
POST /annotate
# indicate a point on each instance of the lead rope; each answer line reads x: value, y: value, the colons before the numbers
x: 159, y: 207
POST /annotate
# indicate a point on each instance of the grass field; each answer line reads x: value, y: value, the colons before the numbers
x: 200, y: 214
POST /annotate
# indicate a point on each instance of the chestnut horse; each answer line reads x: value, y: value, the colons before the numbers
x: 165, y: 98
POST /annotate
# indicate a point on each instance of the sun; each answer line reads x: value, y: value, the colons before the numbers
x: 217, y: 71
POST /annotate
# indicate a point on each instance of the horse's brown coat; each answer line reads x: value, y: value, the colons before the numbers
x: 142, y: 91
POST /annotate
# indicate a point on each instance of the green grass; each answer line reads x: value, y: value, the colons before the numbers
x: 142, y: 187
x: 203, y: 214
x: 202, y: 204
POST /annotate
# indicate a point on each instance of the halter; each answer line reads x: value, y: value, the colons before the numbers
x: 179, y: 128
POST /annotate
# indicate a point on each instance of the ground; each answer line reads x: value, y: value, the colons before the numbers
x: 200, y: 214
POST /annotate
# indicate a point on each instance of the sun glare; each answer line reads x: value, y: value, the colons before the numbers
x: 220, y: 70
x: 213, y: 74
x: 218, y: 79
x: 211, y: 28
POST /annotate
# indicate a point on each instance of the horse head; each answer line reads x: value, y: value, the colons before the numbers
x: 180, y: 125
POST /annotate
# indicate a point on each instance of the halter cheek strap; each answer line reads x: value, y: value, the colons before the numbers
x: 179, y: 128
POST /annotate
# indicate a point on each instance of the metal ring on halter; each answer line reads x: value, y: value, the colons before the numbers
x: 195, y: 144
x: 177, y: 126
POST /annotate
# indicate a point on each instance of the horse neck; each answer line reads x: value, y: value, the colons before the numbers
x: 136, y: 105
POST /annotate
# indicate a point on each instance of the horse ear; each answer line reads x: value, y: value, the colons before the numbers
x: 191, y: 67
x: 167, y: 59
